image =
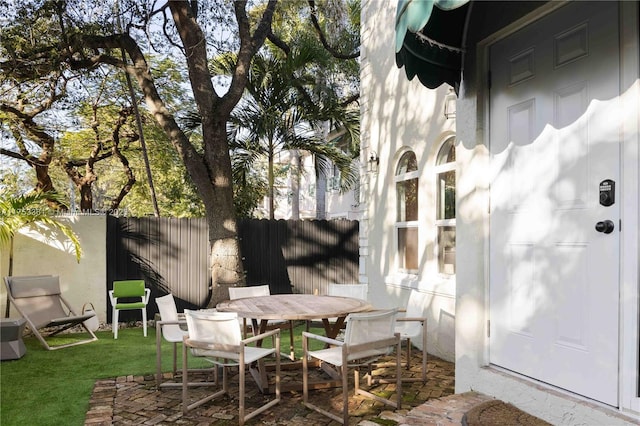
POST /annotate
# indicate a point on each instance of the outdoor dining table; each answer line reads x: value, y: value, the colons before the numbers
x: 293, y: 307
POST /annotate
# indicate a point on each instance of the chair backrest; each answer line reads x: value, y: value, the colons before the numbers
x: 414, y: 309
x: 128, y: 288
x: 168, y: 312
x: 214, y: 327
x: 167, y: 308
x: 251, y: 291
x: 370, y: 326
x: 356, y: 291
x: 415, y: 305
x: 37, y: 297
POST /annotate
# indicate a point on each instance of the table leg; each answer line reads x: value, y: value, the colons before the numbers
x: 259, y: 369
x: 331, y: 330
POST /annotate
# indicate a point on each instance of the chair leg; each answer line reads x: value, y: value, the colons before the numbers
x: 399, y: 375
x: 185, y: 380
x: 144, y: 321
x: 345, y: 394
x: 408, y: 354
x: 159, y: 357
x: 291, y: 347
x: 175, y: 357
x: 424, y: 354
x: 241, y: 396
x: 114, y: 324
x: 305, y: 371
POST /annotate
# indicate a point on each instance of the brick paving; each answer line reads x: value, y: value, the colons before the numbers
x: 135, y: 400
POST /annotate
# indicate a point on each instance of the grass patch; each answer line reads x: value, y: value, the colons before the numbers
x: 54, y: 387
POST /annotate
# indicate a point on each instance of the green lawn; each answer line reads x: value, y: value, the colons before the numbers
x: 54, y: 387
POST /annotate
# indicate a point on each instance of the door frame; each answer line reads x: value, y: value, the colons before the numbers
x: 629, y: 311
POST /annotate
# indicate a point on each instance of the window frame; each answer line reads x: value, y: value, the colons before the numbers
x: 440, y: 224
x: 397, y: 178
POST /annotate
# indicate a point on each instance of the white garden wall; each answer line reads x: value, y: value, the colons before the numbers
x: 45, y: 251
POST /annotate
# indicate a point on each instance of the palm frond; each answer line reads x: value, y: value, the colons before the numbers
x: 18, y: 211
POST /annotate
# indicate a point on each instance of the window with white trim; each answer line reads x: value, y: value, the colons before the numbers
x: 406, y: 180
x: 446, y: 207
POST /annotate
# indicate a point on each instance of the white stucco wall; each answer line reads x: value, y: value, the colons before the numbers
x: 53, y: 255
x: 397, y: 115
x: 473, y: 368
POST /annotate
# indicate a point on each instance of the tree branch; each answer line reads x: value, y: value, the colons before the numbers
x: 334, y: 52
x: 249, y: 45
x: 278, y: 42
x: 12, y: 154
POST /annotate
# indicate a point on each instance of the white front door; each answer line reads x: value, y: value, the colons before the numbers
x: 554, y: 138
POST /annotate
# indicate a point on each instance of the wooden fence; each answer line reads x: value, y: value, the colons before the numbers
x: 172, y: 255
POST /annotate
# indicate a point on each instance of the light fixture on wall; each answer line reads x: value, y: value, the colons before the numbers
x: 373, y: 163
x: 450, y: 104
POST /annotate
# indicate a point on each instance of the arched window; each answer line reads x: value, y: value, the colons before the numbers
x: 406, y: 179
x: 446, y: 207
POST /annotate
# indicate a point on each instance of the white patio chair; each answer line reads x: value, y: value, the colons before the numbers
x: 411, y: 325
x: 356, y: 291
x: 216, y: 337
x: 173, y: 328
x: 263, y: 291
x: 368, y: 336
x: 169, y: 327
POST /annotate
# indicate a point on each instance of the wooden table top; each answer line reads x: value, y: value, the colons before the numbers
x: 294, y: 307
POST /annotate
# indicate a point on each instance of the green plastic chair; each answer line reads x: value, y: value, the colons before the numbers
x: 126, y: 290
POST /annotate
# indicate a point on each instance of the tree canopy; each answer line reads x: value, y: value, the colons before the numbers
x: 56, y: 54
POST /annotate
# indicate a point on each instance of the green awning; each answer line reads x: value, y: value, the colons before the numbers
x: 429, y: 40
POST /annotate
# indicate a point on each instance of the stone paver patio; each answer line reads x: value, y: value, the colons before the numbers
x: 135, y: 400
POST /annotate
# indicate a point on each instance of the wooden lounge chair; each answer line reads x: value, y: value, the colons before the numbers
x: 39, y: 300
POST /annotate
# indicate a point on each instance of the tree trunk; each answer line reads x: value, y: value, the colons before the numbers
x: 226, y: 259
x: 321, y: 183
x: 86, y: 197
x: 271, y: 182
x: 7, y: 311
x: 295, y: 184
x: 321, y: 195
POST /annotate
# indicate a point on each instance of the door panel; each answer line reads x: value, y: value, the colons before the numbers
x: 554, y: 136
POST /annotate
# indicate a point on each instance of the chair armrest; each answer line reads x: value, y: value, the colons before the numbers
x: 421, y: 319
x: 147, y: 294
x: 375, y: 344
x: 111, y: 298
x: 210, y: 346
x: 307, y: 335
x: 175, y: 322
x: 261, y: 336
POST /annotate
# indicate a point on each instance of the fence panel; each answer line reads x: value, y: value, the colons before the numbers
x: 172, y: 255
